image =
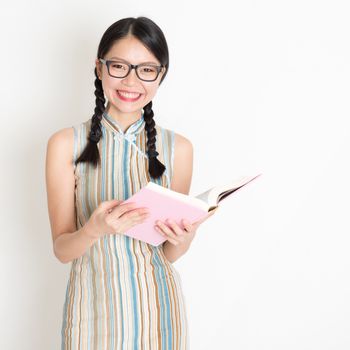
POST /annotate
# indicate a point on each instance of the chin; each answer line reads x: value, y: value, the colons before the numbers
x: 127, y: 109
x: 129, y: 106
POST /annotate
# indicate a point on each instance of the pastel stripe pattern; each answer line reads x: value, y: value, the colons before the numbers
x: 122, y: 293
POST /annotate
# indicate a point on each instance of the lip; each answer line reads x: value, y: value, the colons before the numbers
x: 123, y: 98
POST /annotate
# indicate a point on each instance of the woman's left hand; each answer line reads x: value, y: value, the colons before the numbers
x: 175, y: 234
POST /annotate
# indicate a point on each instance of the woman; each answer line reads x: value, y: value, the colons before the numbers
x: 121, y: 292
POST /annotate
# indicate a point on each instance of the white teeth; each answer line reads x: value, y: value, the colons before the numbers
x: 129, y: 94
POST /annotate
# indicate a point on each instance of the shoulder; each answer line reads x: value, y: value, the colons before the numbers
x: 181, y: 147
x: 65, y: 136
x: 61, y: 138
x: 60, y: 145
x: 182, y: 144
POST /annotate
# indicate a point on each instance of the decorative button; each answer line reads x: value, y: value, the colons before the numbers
x: 128, y: 137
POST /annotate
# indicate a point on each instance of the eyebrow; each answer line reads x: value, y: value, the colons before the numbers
x: 121, y: 59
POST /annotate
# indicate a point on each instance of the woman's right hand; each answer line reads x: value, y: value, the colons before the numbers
x: 112, y: 217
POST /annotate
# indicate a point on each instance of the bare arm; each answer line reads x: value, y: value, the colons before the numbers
x: 68, y: 242
x: 181, y: 182
x: 71, y: 245
x: 109, y: 217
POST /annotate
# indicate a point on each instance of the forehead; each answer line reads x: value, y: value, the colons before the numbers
x: 132, y: 50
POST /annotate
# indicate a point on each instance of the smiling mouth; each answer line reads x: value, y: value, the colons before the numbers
x: 128, y: 96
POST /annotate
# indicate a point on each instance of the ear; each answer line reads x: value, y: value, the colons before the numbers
x: 98, y: 68
x: 161, y: 73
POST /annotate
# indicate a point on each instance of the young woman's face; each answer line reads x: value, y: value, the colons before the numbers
x: 132, y: 51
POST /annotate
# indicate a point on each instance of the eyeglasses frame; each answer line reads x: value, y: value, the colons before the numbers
x: 131, y: 66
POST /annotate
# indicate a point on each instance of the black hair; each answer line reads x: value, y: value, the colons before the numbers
x: 148, y: 32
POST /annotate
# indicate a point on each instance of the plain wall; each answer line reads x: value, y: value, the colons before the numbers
x: 257, y: 86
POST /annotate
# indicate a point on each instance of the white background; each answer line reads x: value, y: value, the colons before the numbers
x: 257, y: 86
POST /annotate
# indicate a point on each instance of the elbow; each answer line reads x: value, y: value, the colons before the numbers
x: 60, y: 258
x: 63, y: 261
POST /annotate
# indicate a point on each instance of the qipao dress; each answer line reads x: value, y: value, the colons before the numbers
x: 122, y: 293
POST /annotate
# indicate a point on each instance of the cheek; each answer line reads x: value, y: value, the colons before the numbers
x: 151, y: 91
x: 109, y: 84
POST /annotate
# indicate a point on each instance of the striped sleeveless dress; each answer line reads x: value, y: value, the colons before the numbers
x: 122, y: 293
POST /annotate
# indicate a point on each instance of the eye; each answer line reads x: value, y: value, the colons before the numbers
x: 148, y: 69
x: 118, y: 66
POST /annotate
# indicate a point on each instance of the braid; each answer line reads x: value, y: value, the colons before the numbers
x: 90, y: 153
x: 155, y: 167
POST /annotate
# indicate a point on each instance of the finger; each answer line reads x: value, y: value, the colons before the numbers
x: 168, y: 231
x: 175, y: 227
x: 165, y: 230
x: 178, y: 233
x: 135, y: 214
x: 188, y: 227
x: 125, y: 223
x: 167, y: 237
x: 107, y: 205
x: 123, y: 208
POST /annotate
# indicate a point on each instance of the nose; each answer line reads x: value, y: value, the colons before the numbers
x: 131, y: 78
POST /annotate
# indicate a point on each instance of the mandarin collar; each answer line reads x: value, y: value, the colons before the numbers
x: 133, y: 129
x: 129, y: 135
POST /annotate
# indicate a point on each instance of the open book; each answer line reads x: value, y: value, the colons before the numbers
x: 164, y: 203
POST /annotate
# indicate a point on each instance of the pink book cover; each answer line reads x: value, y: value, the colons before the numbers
x: 161, y: 207
x: 164, y: 203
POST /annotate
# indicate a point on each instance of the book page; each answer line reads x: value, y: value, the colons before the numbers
x: 217, y: 193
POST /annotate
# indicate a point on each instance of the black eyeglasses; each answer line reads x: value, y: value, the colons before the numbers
x: 145, y: 72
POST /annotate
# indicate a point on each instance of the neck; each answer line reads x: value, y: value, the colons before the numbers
x: 124, y: 119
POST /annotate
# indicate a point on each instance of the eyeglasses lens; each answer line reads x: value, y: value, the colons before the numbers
x: 145, y: 72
